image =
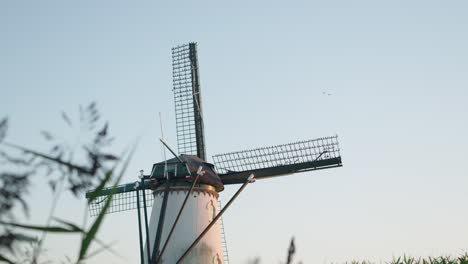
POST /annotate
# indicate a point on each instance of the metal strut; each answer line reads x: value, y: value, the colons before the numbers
x: 139, y: 224
x: 146, y: 215
x: 247, y: 181
x: 162, y: 216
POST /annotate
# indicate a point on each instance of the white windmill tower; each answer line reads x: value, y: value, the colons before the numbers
x: 185, y: 219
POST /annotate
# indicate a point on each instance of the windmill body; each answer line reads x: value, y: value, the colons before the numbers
x: 184, y: 224
x: 201, y: 208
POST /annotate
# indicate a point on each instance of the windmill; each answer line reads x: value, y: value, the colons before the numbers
x: 184, y: 225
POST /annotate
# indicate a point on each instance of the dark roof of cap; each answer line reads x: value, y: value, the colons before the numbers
x: 210, y: 177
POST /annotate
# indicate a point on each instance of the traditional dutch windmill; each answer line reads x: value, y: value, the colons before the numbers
x: 184, y: 225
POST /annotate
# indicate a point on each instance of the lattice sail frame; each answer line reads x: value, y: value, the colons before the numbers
x: 187, y: 99
x: 124, y: 199
x: 279, y: 155
x: 120, y: 202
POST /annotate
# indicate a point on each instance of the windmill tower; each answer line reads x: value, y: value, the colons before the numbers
x: 184, y: 225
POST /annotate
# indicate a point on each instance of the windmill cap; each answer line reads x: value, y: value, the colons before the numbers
x: 191, y: 167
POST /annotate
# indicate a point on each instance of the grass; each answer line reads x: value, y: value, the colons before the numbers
x: 462, y: 259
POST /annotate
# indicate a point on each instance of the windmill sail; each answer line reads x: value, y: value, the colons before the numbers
x: 278, y: 160
x: 124, y: 199
x: 188, y: 107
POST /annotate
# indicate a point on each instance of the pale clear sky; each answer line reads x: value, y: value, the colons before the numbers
x: 397, y: 72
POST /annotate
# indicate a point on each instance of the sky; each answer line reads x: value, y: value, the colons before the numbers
x: 396, y: 72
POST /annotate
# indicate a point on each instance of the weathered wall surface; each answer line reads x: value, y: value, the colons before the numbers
x: 201, y: 208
